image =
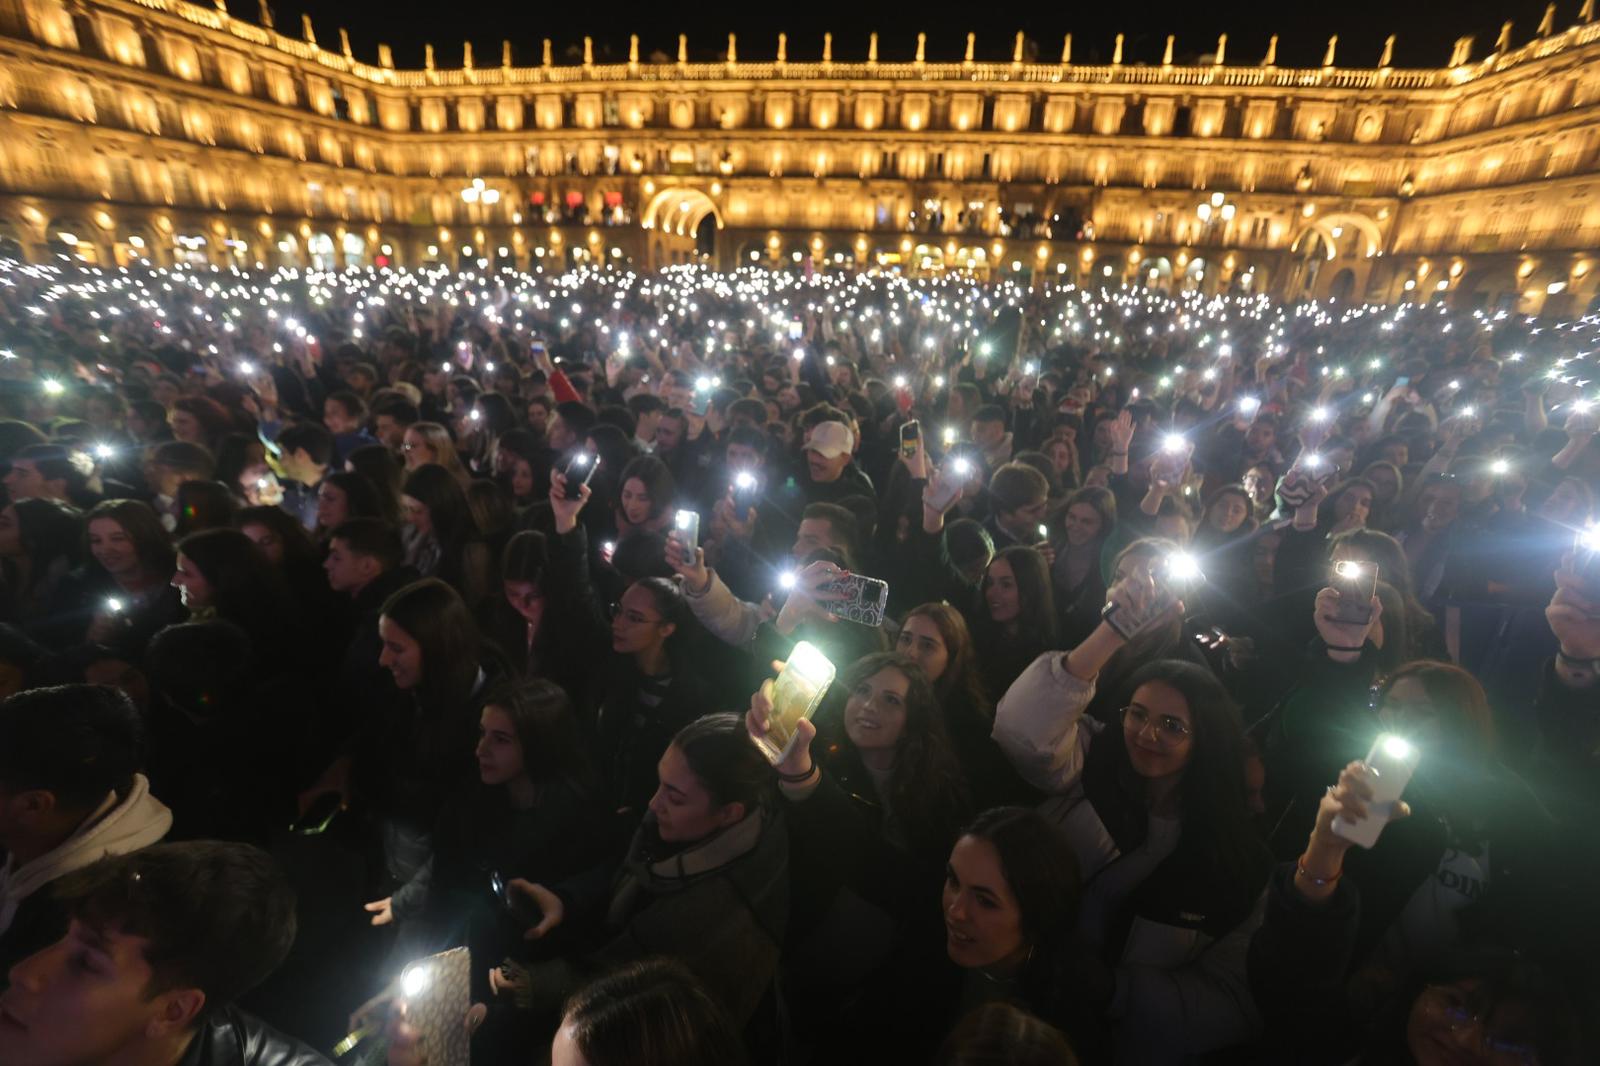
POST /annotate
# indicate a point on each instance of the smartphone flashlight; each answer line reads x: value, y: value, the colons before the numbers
x: 413, y: 980
x: 1320, y: 414
x: 684, y: 519
x: 702, y: 384
x: 444, y: 367
x: 114, y: 605
x: 104, y: 451
x: 1468, y: 411
x: 961, y: 467
x: 1349, y: 569
x: 1030, y: 368
x: 1249, y: 405
x: 1044, y: 531
x: 950, y: 434
x: 52, y: 387
x: 476, y: 415
x: 786, y: 579
x: 899, y: 381
x: 488, y: 368
x: 799, y: 355
x: 809, y: 661
x: 1397, y: 747
x: 246, y: 367
x: 1589, y: 539
x: 1454, y: 385
x: 1500, y: 467
x: 1315, y: 462
x: 1173, y: 443
x: 938, y: 381
x: 1181, y: 566
x: 744, y: 479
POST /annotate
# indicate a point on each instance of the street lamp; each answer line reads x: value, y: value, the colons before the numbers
x: 1217, y: 209
x: 479, y: 193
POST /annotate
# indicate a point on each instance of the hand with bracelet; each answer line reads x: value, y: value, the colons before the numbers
x: 1346, y: 640
x: 797, y: 773
x: 1574, y: 618
x: 1318, y: 870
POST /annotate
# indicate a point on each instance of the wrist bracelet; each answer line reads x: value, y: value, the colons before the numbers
x: 1341, y: 647
x: 1320, y: 882
x: 798, y: 779
x: 1582, y: 664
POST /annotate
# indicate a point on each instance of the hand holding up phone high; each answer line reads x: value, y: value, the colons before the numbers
x: 798, y: 762
x: 689, y: 564
x: 1342, y: 634
x: 566, y: 511
x: 807, y: 600
x: 1324, y: 856
x: 1574, y: 613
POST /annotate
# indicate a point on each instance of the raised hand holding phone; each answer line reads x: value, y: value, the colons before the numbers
x: 1353, y: 801
x: 779, y: 719
x: 1336, y: 615
x: 564, y: 503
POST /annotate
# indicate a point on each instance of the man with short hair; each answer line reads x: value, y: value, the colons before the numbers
x: 305, y: 452
x: 366, y: 564
x: 160, y: 944
x: 170, y: 465
x: 989, y: 434
x: 390, y: 417
x: 647, y: 411
x: 71, y: 792
x: 1019, y: 496
x: 47, y: 471
x: 568, y: 426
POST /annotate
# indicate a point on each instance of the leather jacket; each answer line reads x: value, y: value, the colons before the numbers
x: 230, y: 1037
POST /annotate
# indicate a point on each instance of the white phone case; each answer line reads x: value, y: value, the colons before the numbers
x: 1390, y: 764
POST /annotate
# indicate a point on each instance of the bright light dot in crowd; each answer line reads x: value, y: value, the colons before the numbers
x: 1396, y: 748
x: 247, y: 367
x: 962, y: 466
x: 899, y: 381
x: 744, y: 479
x: 488, y: 368
x: 1349, y: 568
x: 702, y: 383
x: 1589, y: 539
x: 950, y: 434
x: 799, y: 354
x: 1499, y: 467
x: 104, y: 451
x: 786, y: 579
x: 476, y: 415
x: 54, y: 387
x: 1455, y: 384
x: 114, y: 605
x: 938, y: 381
x: 413, y: 981
x: 1516, y: 357
x: 444, y: 367
x: 1030, y: 368
x: 1249, y: 405
x: 1183, y: 566
x: 1315, y: 461
x: 1468, y: 411
x: 1173, y: 442
x: 1320, y: 414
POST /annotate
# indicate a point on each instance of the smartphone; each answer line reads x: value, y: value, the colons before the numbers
x: 1390, y: 764
x: 1356, y: 583
x: 686, y: 531
x: 437, y: 992
x: 953, y: 477
x: 863, y: 602
x: 580, y: 468
x: 796, y: 330
x: 796, y: 694
x: 910, y: 437
x: 1403, y: 379
x: 1586, y: 557
x: 746, y: 491
x: 521, y: 910
x: 318, y: 817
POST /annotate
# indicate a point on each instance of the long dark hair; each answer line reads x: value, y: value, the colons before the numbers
x: 378, y: 465
x: 143, y: 526
x: 433, y: 614
x: 656, y: 478
x: 547, y: 728
x: 48, y: 530
x: 448, y: 511
x: 246, y: 588
x: 298, y: 551
x: 961, y: 675
x: 719, y: 753
x: 927, y: 792
x: 1217, y: 824
x: 652, y: 1013
x: 1043, y: 875
x: 1036, y: 617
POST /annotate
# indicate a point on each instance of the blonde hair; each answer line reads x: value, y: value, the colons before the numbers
x: 444, y: 449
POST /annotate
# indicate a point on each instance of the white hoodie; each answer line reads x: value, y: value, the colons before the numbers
x: 117, y: 827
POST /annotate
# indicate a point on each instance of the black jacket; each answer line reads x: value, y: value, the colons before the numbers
x: 230, y: 1037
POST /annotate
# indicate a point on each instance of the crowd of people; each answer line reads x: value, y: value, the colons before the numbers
x: 351, y: 620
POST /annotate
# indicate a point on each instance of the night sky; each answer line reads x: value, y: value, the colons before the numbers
x: 1426, y: 28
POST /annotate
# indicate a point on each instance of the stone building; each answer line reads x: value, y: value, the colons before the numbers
x: 166, y: 131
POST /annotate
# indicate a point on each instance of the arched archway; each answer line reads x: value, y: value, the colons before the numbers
x: 1343, y: 285
x: 680, y: 211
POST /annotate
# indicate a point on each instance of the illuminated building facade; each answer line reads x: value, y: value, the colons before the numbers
x: 168, y: 131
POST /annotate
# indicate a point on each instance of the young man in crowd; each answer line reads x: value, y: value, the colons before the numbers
x: 71, y: 792
x: 345, y: 415
x: 305, y: 452
x: 160, y: 944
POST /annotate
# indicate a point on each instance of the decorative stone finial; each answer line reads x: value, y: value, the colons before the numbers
x: 972, y: 40
x: 1503, y: 44
x: 1166, y: 57
x: 1333, y: 43
x: 633, y: 49
x: 266, y: 13
x: 783, y: 48
x: 1116, y: 53
x: 1222, y: 48
x: 1463, y: 51
x: 922, y: 48
x: 1547, y: 25
x: 1387, y: 59
x: 344, y: 43
x: 385, y: 57
x: 872, y: 49
x: 546, y: 59
x: 306, y: 30
x: 1272, y: 52
x: 683, y: 49
x: 1016, y: 51
x: 466, y: 55
x: 733, y: 49
x: 588, y: 51
x: 1066, y: 51
x: 427, y: 57
x: 827, y: 49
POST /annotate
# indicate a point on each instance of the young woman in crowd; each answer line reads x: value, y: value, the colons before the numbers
x: 872, y: 815
x: 1154, y: 807
x: 344, y: 495
x: 522, y: 465
x: 645, y: 498
x: 222, y: 573
x: 124, y: 595
x: 1088, y: 521
x: 442, y: 538
x: 203, y: 505
x: 41, y: 541
x: 428, y: 443
x: 704, y: 882
x: 378, y: 465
